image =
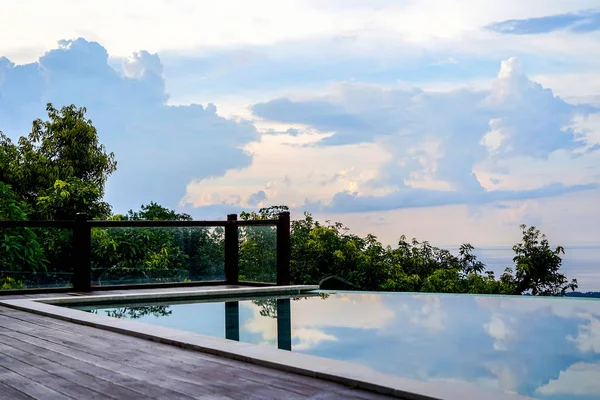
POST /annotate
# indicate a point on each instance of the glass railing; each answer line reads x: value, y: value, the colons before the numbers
x: 32, y: 258
x: 85, y: 254
x: 139, y: 255
x: 258, y: 254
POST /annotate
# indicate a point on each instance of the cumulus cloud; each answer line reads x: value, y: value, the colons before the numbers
x: 445, y: 147
x: 159, y: 148
x: 257, y: 198
x: 579, y: 379
x: 312, y: 316
x: 498, y: 330
x: 588, y: 338
x: 289, y: 169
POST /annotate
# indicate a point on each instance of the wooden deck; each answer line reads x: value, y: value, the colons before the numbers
x: 45, y: 358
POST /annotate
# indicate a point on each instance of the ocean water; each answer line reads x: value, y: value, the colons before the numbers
x: 581, y: 263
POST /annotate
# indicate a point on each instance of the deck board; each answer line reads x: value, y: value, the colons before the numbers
x: 46, y: 358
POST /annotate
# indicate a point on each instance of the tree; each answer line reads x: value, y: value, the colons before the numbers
x: 156, y: 212
x: 22, y: 259
x: 156, y: 254
x: 537, y: 266
x: 257, y: 244
x: 59, y: 168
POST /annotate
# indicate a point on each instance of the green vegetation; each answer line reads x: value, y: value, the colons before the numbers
x: 61, y: 169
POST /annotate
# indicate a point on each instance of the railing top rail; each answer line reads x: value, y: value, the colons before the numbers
x: 36, y: 224
x: 267, y: 222
x: 111, y: 224
x: 155, y: 224
x: 134, y: 223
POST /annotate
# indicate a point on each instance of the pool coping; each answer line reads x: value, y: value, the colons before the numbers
x: 218, y: 293
x: 350, y: 374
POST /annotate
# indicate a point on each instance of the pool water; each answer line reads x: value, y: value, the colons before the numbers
x: 547, y: 348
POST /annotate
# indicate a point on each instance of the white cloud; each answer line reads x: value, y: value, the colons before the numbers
x: 375, y: 28
x: 289, y: 169
x: 310, y: 338
x: 310, y: 317
x: 576, y: 88
x: 588, y: 128
x: 498, y: 330
x: 159, y: 148
x: 567, y: 308
x: 494, y: 138
x: 430, y: 316
x: 579, y: 379
x: 507, y: 379
x: 588, y: 339
x: 476, y: 144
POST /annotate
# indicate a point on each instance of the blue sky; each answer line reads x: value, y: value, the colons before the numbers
x: 451, y: 122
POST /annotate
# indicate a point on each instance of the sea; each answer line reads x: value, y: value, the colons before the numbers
x: 579, y: 262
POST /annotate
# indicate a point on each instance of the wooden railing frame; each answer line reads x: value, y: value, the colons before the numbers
x: 82, y: 243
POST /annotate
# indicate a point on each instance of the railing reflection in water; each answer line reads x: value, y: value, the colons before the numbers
x: 284, y: 323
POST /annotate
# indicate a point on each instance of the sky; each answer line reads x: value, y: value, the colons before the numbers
x: 449, y: 121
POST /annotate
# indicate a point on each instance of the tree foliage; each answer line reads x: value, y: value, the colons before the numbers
x: 21, y: 256
x: 537, y: 265
x: 257, y: 244
x: 60, y: 168
x: 140, y: 255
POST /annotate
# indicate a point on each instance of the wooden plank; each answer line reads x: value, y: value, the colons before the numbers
x: 130, y: 364
x: 8, y: 392
x: 76, y: 377
x: 50, y: 380
x: 29, y: 387
x: 131, y: 378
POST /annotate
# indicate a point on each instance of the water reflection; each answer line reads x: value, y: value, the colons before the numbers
x: 539, y: 347
x: 232, y: 320
x: 278, y: 309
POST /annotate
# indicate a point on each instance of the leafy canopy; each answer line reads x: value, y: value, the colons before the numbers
x: 60, y: 168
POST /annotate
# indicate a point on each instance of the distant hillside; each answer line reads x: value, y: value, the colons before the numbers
x: 586, y: 294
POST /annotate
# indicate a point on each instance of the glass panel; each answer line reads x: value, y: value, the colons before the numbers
x: 154, y: 255
x: 258, y: 254
x: 35, y: 258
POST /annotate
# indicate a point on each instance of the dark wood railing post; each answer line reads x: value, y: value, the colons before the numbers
x: 232, y: 268
x: 284, y: 249
x: 82, y: 253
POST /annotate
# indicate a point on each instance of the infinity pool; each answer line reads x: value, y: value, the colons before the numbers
x: 546, y: 348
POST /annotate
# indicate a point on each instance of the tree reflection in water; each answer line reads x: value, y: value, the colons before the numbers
x: 137, y: 312
x: 269, y: 306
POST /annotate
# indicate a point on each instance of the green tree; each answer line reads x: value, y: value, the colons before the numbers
x: 156, y: 254
x: 538, y: 265
x: 258, y: 246
x: 22, y: 259
x: 60, y: 168
x: 136, y: 255
x: 156, y: 212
